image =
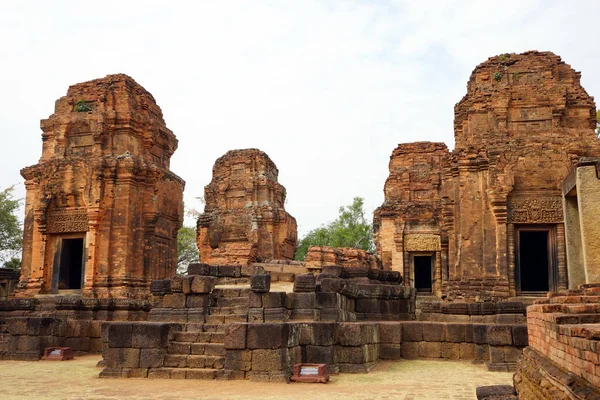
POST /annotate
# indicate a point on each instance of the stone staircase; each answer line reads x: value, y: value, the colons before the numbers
x: 199, y: 351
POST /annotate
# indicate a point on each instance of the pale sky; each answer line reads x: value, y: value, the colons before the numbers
x: 326, y: 88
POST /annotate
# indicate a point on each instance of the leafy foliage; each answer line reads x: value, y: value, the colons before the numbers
x: 82, y: 106
x: 11, y: 234
x: 350, y: 229
x: 187, y: 251
x: 598, y: 122
x: 13, y: 263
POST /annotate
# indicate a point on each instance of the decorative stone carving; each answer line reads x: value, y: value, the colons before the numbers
x: 104, y: 171
x: 244, y: 219
x: 524, y: 121
x: 66, y: 221
x: 535, y: 210
x: 422, y: 242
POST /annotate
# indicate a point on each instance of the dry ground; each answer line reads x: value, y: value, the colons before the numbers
x: 403, y: 380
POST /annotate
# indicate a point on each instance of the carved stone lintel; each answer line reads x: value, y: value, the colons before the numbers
x: 422, y: 242
x: 535, y: 209
x: 67, y: 221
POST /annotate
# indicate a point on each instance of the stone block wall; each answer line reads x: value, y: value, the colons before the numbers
x: 562, y: 360
x: 136, y: 350
x: 338, y: 294
x: 28, y: 326
x: 268, y: 351
x: 182, y: 299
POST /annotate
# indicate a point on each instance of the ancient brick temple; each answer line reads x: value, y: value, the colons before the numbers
x: 244, y: 219
x: 102, y: 209
x: 486, y: 220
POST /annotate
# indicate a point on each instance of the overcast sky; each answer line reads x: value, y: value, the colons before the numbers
x: 327, y: 88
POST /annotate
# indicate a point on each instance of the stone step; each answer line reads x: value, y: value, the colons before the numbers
x: 231, y: 292
x: 199, y: 337
x: 237, y: 310
x: 194, y: 361
x: 230, y: 301
x: 191, y: 373
x: 225, y: 319
x: 204, y: 349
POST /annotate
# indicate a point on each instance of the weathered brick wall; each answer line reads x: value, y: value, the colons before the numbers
x: 562, y: 360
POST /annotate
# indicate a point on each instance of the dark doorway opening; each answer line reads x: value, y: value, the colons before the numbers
x: 534, y: 261
x: 71, y: 264
x: 422, y: 267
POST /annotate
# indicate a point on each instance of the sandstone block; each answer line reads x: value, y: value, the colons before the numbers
x: 451, y: 351
x: 202, y: 284
x: 198, y: 269
x: 390, y: 332
x: 455, y: 332
x: 269, y: 360
x: 122, y: 358
x: 160, y: 287
x: 120, y: 334
x: 267, y: 336
x: 320, y: 354
x: 519, y: 335
x: 301, y: 300
x: 412, y: 331
x: 499, y: 335
x: 151, y: 358
x: 304, y: 283
x: 434, y: 332
x: 389, y: 351
x: 430, y: 349
x: 150, y: 335
x: 177, y: 284
x: 327, y: 300
x: 235, y: 337
x: 349, y: 334
x: 197, y: 300
x: 323, y: 333
x: 174, y: 300
x: 410, y: 350
x: 260, y: 283
x: 274, y: 300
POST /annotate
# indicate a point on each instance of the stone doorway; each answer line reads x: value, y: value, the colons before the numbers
x: 536, y: 262
x: 422, y: 270
x: 68, y: 264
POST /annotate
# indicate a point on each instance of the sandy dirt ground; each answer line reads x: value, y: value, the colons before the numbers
x: 402, y: 380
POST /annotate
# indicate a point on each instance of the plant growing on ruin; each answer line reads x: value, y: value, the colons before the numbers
x: 350, y: 229
x: 82, y: 106
x: 598, y: 123
x: 497, y: 76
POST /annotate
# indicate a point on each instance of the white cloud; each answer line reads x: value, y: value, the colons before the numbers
x: 327, y: 89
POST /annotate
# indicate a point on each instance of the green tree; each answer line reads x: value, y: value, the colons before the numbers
x: 11, y: 234
x: 187, y: 251
x: 349, y: 229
